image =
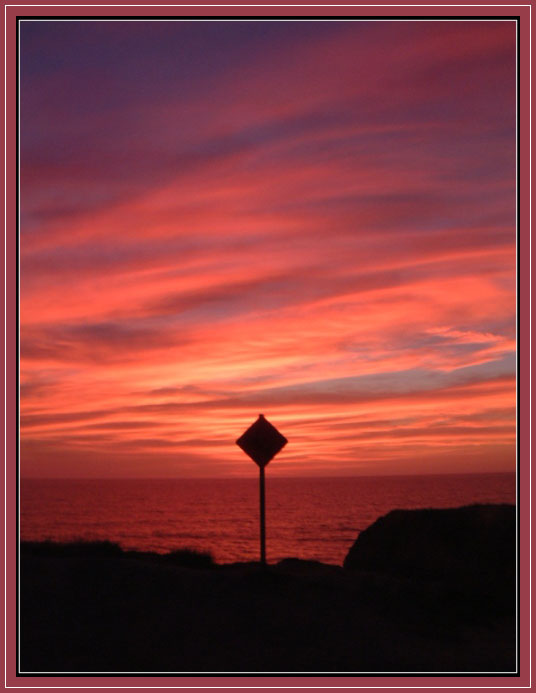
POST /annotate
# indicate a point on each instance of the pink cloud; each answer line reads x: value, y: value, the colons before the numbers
x: 326, y: 232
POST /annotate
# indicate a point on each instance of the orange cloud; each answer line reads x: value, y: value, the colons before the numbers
x: 295, y: 233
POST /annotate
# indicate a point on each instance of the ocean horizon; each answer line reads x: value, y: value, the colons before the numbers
x: 312, y: 518
x: 249, y: 476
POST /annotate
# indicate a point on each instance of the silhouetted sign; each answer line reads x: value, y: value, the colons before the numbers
x: 261, y: 441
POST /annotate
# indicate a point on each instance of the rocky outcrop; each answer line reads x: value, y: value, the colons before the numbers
x: 473, y: 545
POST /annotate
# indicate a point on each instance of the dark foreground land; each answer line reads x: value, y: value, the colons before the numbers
x: 419, y: 593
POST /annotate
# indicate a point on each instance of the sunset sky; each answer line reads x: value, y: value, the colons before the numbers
x: 312, y: 220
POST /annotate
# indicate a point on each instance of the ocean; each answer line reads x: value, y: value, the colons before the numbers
x: 308, y: 518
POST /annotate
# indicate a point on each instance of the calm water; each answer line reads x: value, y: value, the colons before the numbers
x: 308, y: 518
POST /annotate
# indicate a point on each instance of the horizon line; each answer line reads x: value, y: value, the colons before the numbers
x: 254, y: 478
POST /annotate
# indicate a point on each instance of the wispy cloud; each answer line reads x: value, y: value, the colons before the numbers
x: 313, y: 220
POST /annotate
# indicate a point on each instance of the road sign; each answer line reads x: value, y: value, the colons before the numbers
x: 261, y: 441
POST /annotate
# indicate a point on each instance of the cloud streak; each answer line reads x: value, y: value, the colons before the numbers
x: 313, y: 220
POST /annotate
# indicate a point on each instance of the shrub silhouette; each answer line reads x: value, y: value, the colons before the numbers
x: 79, y: 548
x: 189, y: 558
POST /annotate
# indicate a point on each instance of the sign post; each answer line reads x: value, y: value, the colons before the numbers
x: 262, y: 442
x: 262, y: 516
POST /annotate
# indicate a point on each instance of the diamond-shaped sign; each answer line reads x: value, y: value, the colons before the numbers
x: 261, y: 441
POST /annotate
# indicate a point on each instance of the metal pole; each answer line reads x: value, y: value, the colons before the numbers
x: 263, y: 533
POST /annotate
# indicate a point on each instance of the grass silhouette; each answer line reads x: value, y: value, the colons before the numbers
x: 83, y: 548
